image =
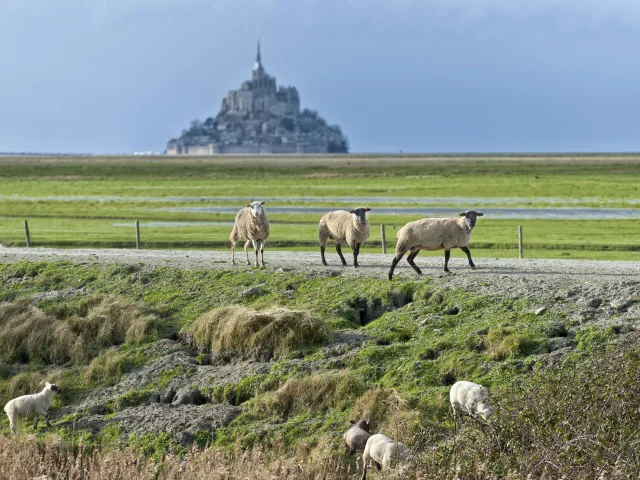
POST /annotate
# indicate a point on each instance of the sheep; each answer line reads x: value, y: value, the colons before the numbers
x: 382, y: 452
x: 27, y: 405
x: 435, y: 234
x: 355, y: 439
x: 252, y: 224
x: 341, y: 226
x: 471, y: 399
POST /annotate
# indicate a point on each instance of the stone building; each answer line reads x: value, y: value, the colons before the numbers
x: 260, y: 117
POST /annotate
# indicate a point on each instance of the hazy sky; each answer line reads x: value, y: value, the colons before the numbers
x: 111, y: 76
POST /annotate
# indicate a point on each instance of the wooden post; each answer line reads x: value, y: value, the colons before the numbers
x: 26, y: 232
x: 384, y: 239
x: 520, y: 241
x: 137, y: 234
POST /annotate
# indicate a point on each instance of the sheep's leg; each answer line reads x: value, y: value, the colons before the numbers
x: 47, y: 421
x: 246, y: 251
x: 339, y: 250
x: 256, y: 248
x: 233, y: 253
x: 410, y: 258
x: 35, y: 422
x: 447, y: 254
x: 324, y: 262
x: 356, y: 252
x: 466, y: 250
x: 395, y: 261
x: 364, y: 469
x: 13, y: 425
x: 262, y: 252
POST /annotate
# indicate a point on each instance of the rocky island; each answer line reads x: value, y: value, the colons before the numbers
x: 260, y: 117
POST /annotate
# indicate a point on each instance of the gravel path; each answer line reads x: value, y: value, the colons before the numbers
x: 490, y: 270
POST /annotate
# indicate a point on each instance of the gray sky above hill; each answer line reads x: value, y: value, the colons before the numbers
x: 111, y: 76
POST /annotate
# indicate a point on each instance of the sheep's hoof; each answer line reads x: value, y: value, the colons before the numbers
x: 473, y: 267
x: 248, y: 263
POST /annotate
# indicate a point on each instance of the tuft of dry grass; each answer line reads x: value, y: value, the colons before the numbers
x: 240, y: 332
x: 27, y: 333
x: 388, y: 412
x: 26, y: 383
x: 107, y: 368
x: 316, y: 392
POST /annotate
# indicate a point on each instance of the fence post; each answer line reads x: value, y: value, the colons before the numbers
x: 520, y: 241
x: 137, y: 234
x: 384, y: 238
x: 26, y: 232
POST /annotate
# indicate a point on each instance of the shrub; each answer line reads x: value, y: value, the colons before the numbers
x: 579, y: 420
x: 240, y: 332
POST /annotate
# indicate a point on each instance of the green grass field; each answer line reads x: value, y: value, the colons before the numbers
x: 83, y: 202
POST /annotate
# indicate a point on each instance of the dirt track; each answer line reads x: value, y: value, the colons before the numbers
x: 490, y: 270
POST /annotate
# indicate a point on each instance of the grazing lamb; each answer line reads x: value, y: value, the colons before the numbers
x: 341, y: 226
x: 471, y: 399
x: 252, y: 224
x: 28, y: 405
x: 383, y: 452
x: 435, y: 234
x: 355, y: 439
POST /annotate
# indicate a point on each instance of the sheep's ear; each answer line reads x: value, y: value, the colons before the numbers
x: 352, y: 422
x: 352, y: 211
x: 367, y: 209
x: 47, y: 384
x: 463, y: 214
x: 248, y: 205
x: 262, y: 203
x: 480, y: 214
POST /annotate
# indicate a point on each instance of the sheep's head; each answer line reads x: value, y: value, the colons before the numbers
x: 52, y: 387
x: 360, y: 214
x: 363, y: 424
x: 256, y: 208
x: 471, y: 216
x: 483, y: 406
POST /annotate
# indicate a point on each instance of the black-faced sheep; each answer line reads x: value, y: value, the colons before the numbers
x: 383, y: 452
x: 355, y: 439
x: 29, y: 405
x: 435, y: 234
x: 341, y: 226
x: 252, y: 224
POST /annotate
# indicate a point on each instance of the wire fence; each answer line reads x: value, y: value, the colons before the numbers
x: 514, y: 240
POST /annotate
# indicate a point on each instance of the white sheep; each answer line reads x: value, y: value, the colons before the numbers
x: 252, y: 224
x: 28, y: 405
x: 341, y: 226
x: 383, y: 452
x: 355, y: 439
x: 435, y: 234
x: 471, y: 399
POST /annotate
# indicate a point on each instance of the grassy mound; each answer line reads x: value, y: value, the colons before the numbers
x: 249, y: 334
x: 29, y: 334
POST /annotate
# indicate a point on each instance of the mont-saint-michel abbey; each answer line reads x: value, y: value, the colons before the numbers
x: 260, y: 117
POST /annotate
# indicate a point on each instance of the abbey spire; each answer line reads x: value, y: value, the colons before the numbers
x: 257, y: 67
